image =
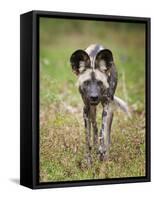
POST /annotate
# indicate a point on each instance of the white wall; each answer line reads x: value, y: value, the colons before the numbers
x: 9, y: 98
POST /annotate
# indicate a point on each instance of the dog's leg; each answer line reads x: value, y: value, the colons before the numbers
x: 94, y: 125
x: 107, y: 117
x: 86, y: 116
x: 110, y: 124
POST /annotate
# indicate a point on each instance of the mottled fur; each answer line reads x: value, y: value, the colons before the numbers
x: 97, y: 81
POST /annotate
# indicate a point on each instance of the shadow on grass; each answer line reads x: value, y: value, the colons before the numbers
x: 15, y: 180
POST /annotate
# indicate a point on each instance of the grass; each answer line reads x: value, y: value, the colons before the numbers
x: 62, y: 138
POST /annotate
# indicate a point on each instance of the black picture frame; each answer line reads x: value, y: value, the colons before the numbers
x: 29, y: 98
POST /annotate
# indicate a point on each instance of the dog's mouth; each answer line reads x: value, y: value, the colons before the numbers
x: 94, y: 103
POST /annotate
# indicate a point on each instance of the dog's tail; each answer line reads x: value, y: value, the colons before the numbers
x: 122, y: 105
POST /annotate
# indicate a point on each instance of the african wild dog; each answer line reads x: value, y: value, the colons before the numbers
x: 97, y: 81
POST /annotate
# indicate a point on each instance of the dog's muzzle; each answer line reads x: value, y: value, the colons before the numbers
x: 94, y: 100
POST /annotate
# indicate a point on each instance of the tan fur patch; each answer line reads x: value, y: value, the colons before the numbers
x: 102, y: 77
x: 84, y: 76
x: 102, y: 65
x: 92, y: 47
x: 87, y: 76
x: 81, y: 66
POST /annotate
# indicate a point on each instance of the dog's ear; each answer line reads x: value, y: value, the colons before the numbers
x: 80, y: 61
x: 105, y: 63
x: 104, y: 60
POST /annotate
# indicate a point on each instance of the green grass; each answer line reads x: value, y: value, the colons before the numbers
x: 62, y: 138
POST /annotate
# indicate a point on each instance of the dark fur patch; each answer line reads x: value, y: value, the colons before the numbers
x: 93, y: 77
x: 103, y: 126
x: 85, y: 123
x: 104, y: 113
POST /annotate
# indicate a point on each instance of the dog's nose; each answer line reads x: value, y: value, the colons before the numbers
x: 94, y: 98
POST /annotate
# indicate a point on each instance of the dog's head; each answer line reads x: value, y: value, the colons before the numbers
x: 96, y: 77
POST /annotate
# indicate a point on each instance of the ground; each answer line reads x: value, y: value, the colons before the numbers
x: 62, y: 137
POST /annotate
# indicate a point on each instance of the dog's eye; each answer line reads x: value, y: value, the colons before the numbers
x: 99, y: 82
x: 87, y: 82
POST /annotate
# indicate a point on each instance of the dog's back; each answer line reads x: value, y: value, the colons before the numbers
x: 93, y: 50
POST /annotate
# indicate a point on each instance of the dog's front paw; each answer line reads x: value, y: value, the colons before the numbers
x: 89, y: 160
x: 103, y: 154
